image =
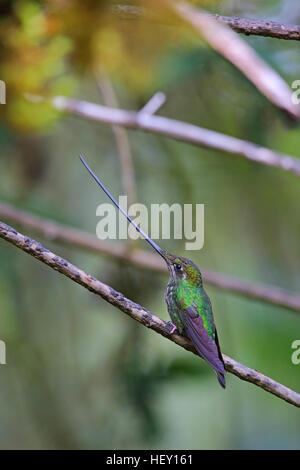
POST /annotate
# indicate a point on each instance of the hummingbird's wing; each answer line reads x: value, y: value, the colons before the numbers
x: 206, y: 347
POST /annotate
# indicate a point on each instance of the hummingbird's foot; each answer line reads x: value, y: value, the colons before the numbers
x: 172, y: 326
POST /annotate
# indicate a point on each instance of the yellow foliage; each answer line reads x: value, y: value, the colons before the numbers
x: 45, y: 46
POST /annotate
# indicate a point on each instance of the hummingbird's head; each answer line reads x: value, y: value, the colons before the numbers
x: 182, y: 269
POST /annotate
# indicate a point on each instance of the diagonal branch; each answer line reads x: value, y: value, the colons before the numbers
x: 248, y: 26
x: 178, y: 130
x: 233, y: 48
x: 216, y: 32
x: 270, y: 29
x: 145, y: 259
x: 138, y: 312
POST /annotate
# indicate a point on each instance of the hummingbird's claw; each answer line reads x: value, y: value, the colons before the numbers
x: 173, y: 327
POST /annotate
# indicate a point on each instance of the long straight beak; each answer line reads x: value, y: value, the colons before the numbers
x: 145, y: 236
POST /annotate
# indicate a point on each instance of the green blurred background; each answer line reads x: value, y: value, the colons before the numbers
x: 79, y: 373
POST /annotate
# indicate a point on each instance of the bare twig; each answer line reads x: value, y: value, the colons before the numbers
x: 137, y: 312
x: 214, y: 30
x: 246, y: 26
x: 179, y: 130
x: 144, y: 259
x: 241, y: 55
x: 122, y: 141
x: 154, y: 104
x: 266, y: 28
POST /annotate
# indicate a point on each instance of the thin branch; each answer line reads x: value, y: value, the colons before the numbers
x: 241, y: 55
x: 246, y: 26
x: 215, y: 30
x: 179, y: 130
x: 138, y: 312
x: 122, y: 141
x: 144, y: 259
x: 266, y: 28
x: 154, y: 104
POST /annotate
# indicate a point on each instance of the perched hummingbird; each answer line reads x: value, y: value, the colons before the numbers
x: 188, y: 304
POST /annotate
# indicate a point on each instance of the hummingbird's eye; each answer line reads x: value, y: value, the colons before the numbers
x: 178, y: 267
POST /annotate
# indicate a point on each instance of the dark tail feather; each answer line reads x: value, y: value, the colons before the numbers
x: 208, y: 349
x: 220, y: 375
x: 221, y: 379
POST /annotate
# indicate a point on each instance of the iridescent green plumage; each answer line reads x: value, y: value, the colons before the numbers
x: 190, y: 310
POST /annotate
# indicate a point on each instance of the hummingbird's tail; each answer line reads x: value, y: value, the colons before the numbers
x: 208, y: 349
x: 221, y: 379
x: 220, y: 374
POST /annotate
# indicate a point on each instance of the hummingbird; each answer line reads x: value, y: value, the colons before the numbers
x: 187, y: 302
